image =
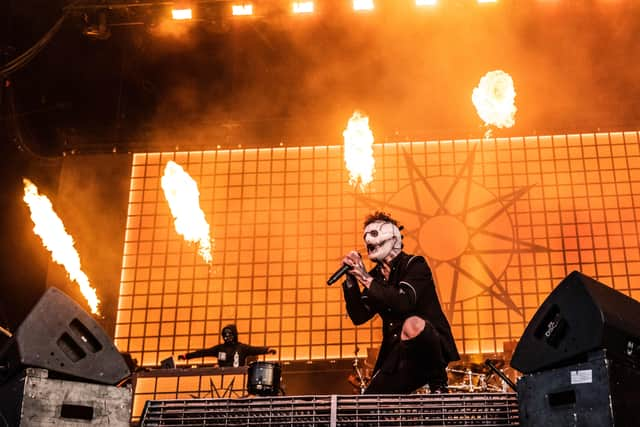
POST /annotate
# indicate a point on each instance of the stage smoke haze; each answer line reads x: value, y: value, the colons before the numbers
x: 281, y: 79
x: 266, y: 81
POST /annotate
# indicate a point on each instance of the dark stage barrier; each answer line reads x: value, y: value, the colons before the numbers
x: 465, y: 409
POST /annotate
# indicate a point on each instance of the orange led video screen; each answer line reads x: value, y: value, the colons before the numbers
x: 500, y: 221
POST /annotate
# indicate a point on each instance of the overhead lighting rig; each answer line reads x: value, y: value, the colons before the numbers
x: 100, y: 16
x: 141, y: 13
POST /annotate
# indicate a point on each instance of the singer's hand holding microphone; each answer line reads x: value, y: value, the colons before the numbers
x: 352, y: 263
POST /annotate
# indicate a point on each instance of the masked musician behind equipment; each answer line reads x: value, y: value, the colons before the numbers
x: 230, y: 352
x: 417, y: 341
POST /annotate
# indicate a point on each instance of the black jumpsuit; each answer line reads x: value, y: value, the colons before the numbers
x: 229, y: 354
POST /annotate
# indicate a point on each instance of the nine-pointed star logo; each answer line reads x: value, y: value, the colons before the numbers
x: 462, y: 228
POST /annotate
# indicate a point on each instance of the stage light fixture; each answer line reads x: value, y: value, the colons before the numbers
x: 360, y: 5
x: 181, y: 14
x: 242, y: 9
x: 96, y: 27
x: 303, y: 7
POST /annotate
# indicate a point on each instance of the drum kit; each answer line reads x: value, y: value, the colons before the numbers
x: 493, y: 375
x: 474, y: 373
x: 362, y: 372
x: 264, y: 378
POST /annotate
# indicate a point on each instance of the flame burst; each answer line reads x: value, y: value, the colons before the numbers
x: 183, y: 197
x: 55, y: 238
x: 494, y: 99
x: 358, y: 150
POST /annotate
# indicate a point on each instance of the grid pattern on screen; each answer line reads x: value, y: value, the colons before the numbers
x: 540, y: 207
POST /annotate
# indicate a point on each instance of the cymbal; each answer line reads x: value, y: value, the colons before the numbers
x: 469, y: 366
x: 473, y: 358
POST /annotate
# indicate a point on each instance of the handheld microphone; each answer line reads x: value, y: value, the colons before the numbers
x: 338, y: 274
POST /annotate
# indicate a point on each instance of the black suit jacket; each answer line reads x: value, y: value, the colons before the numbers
x: 410, y: 291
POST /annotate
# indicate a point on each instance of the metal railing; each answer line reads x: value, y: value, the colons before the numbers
x: 468, y: 409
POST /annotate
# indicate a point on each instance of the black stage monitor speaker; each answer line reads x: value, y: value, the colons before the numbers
x: 60, y: 336
x: 596, y: 393
x: 579, y: 316
x: 168, y: 363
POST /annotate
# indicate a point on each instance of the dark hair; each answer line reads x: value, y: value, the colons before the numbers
x: 380, y: 216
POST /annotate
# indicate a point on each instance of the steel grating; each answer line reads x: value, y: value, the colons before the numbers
x: 457, y: 409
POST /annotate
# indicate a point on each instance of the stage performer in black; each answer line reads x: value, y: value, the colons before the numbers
x: 230, y: 352
x: 417, y: 343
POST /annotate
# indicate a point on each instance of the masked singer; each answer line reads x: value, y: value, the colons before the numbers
x: 417, y: 343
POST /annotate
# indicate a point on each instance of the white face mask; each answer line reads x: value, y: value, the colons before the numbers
x: 382, y: 239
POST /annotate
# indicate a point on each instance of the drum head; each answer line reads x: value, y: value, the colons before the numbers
x: 264, y: 378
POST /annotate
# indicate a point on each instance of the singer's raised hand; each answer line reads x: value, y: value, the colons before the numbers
x: 358, y: 270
